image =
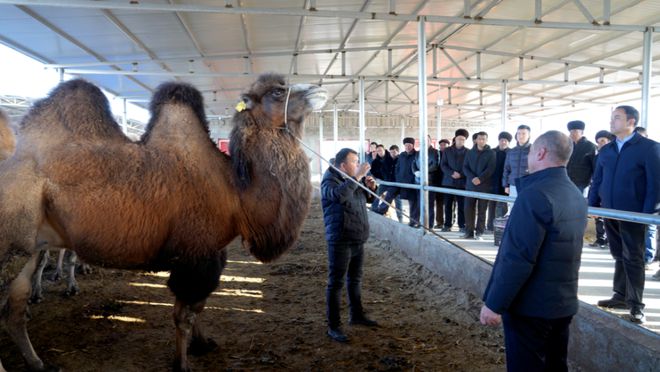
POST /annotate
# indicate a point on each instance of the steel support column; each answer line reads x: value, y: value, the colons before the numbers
x: 335, y: 127
x: 423, y: 123
x: 646, y: 76
x: 320, y: 146
x: 503, y: 104
x: 124, y: 118
x: 362, y: 121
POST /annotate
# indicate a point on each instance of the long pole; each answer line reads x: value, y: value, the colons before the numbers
x: 647, y: 56
x: 362, y: 121
x: 423, y: 123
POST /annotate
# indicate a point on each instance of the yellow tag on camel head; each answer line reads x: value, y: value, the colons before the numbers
x: 241, y: 106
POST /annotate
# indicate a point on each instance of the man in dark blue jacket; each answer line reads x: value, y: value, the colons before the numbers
x: 453, y: 178
x: 478, y: 168
x: 496, y: 209
x: 533, y: 285
x: 580, y: 166
x: 627, y: 178
x: 404, y: 174
x: 346, y: 231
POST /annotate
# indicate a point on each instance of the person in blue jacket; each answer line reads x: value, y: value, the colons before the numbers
x: 533, y: 286
x: 627, y: 178
x: 346, y: 230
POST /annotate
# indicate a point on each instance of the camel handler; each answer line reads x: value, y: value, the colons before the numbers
x: 346, y: 230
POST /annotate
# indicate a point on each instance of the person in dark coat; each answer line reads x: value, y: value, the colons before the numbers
x: 533, y: 285
x: 515, y: 165
x: 497, y: 209
x: 433, y: 175
x: 603, y: 137
x: 478, y: 168
x: 382, y: 168
x: 580, y: 166
x: 440, y: 197
x: 346, y: 231
x: 404, y: 174
x: 627, y: 178
x: 453, y: 178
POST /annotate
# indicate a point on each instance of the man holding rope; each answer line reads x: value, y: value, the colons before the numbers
x: 346, y: 231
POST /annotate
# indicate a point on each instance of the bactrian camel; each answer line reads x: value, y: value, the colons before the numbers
x: 171, y: 201
x: 7, y: 146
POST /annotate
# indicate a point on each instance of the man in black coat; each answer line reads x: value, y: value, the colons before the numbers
x: 627, y: 178
x: 382, y: 168
x: 533, y: 285
x: 580, y: 166
x: 497, y: 209
x: 433, y: 175
x: 453, y: 178
x: 346, y: 231
x: 478, y: 168
x: 404, y: 174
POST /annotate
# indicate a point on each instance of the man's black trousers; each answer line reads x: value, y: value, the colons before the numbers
x: 344, y: 261
x: 535, y: 344
x: 627, y: 246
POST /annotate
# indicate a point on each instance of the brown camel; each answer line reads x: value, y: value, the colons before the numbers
x: 7, y: 138
x: 7, y: 147
x: 172, y: 201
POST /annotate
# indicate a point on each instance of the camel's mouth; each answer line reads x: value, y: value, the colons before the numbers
x: 315, y: 96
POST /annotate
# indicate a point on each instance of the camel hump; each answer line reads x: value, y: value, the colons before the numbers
x: 176, y: 93
x: 7, y: 139
x: 78, y: 107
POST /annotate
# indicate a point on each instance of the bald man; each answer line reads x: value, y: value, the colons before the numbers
x: 533, y: 285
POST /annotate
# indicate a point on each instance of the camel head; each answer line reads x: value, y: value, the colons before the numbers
x: 267, y: 98
x: 260, y: 119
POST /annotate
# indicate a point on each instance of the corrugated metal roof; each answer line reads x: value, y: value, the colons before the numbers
x: 130, y: 47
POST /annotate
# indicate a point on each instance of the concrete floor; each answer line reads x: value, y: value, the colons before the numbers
x: 596, y: 274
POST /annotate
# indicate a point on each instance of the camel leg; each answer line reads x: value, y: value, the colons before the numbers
x: 57, y: 275
x: 184, y: 319
x: 16, y: 315
x: 200, y: 344
x: 72, y: 285
x: 37, y: 289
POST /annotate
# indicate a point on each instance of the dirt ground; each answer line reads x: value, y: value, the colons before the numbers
x: 267, y: 317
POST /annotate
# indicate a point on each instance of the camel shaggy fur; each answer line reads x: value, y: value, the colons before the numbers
x: 171, y: 201
x: 7, y: 138
x: 7, y: 146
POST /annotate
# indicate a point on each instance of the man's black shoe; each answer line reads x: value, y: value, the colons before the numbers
x: 613, y: 303
x: 637, y: 315
x: 467, y: 236
x: 364, y: 321
x: 599, y: 243
x: 445, y: 229
x: 337, y: 335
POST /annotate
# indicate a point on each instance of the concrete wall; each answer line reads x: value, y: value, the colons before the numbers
x: 599, y: 340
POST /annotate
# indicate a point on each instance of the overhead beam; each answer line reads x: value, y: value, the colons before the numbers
x: 196, y: 8
x: 75, y: 42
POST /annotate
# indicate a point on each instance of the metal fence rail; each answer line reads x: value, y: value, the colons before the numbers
x: 643, y: 218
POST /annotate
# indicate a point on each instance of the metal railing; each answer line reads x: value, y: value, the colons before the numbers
x: 643, y: 218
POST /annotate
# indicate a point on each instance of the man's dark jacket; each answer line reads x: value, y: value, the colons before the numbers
x: 536, y: 269
x: 383, y: 168
x: 515, y: 165
x: 480, y: 164
x: 344, y: 209
x: 628, y: 180
x: 500, y: 157
x: 580, y: 165
x: 434, y: 167
x: 404, y: 172
x: 453, y: 160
